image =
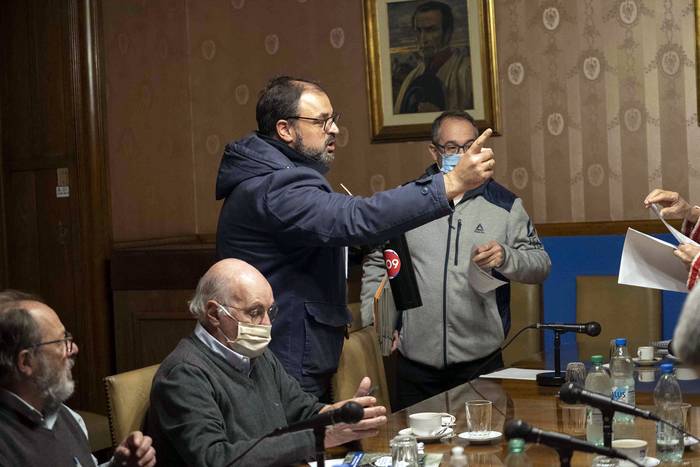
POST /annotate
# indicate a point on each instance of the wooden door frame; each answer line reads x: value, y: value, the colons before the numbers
x: 94, y: 232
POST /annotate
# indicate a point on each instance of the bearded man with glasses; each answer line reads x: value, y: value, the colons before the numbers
x: 36, y: 428
x: 281, y: 215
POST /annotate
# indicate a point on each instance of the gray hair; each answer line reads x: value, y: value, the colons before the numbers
x: 18, y: 331
x: 686, y: 337
x: 450, y: 114
x: 209, y: 287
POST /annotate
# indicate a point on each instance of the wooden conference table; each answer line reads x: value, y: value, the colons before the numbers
x: 539, y: 407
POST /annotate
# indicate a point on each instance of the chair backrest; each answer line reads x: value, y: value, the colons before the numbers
x: 360, y: 357
x: 525, y: 309
x: 385, y: 316
x: 621, y: 310
x: 127, y: 400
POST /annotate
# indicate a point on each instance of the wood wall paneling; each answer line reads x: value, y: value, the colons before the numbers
x: 52, y: 248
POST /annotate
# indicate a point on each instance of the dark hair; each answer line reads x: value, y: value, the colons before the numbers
x: 446, y: 13
x: 280, y: 100
x: 456, y: 114
x: 18, y: 331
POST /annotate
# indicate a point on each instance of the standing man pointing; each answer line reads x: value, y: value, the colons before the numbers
x: 281, y: 215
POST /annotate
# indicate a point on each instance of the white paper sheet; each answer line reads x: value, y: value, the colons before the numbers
x: 515, y: 373
x: 480, y: 280
x: 650, y: 262
x: 676, y: 234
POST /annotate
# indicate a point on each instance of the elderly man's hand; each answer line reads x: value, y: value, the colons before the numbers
x: 474, y: 167
x: 374, y: 417
x: 673, y: 205
x: 687, y: 252
x: 489, y: 255
x: 135, y: 451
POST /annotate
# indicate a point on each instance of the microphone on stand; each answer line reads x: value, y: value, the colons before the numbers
x: 572, y: 393
x: 350, y: 412
x: 564, y: 444
x: 556, y: 378
x: 592, y: 328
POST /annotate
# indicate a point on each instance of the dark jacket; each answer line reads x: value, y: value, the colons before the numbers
x: 281, y: 216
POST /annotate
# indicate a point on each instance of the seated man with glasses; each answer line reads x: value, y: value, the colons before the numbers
x: 217, y: 395
x: 282, y: 216
x: 457, y: 333
x: 36, y: 428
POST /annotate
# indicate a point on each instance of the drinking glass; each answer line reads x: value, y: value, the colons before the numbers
x: 576, y: 373
x: 404, y: 451
x: 479, y: 416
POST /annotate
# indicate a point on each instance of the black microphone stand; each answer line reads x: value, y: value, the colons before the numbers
x: 607, y: 426
x: 565, y: 455
x: 553, y: 378
x: 320, y: 435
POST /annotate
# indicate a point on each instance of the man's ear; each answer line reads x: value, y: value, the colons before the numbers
x: 434, y: 153
x: 285, y: 131
x: 212, y: 313
x: 26, y: 362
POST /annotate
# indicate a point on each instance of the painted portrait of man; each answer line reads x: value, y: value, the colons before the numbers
x: 430, y: 56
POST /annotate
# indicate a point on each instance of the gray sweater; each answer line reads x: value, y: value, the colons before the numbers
x: 206, y: 413
x: 456, y: 323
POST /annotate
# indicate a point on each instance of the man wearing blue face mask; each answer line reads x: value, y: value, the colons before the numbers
x: 457, y: 330
x: 217, y: 395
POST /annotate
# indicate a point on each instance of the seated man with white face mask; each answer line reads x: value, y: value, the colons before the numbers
x: 221, y: 390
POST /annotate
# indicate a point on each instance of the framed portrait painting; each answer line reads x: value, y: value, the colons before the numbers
x: 428, y: 56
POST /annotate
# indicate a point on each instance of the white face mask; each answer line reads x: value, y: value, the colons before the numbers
x: 252, y: 339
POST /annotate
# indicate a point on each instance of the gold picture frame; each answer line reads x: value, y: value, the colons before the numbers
x: 394, y: 66
x: 697, y: 54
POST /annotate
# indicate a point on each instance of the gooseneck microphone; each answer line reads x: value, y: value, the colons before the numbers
x: 564, y: 444
x: 592, y: 328
x: 351, y: 412
x: 572, y: 393
x: 556, y: 378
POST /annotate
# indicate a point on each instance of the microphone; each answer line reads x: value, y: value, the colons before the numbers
x: 592, y: 328
x: 520, y: 429
x: 574, y: 394
x: 556, y: 378
x: 402, y: 276
x: 351, y: 412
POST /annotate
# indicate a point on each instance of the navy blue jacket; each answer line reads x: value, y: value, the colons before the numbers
x: 281, y: 216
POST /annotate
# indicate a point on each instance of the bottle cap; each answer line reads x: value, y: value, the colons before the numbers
x: 516, y: 445
x: 621, y: 341
x: 458, y: 451
x: 666, y: 367
x: 597, y: 359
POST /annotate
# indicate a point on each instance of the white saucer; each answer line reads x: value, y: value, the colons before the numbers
x: 472, y: 437
x: 408, y: 431
x: 689, y: 441
x: 647, y: 462
x: 646, y: 362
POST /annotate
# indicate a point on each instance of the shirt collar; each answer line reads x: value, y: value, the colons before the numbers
x: 27, y: 410
x: 236, y: 360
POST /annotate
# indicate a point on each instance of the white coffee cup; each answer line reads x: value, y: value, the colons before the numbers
x: 646, y: 375
x: 645, y: 353
x: 425, y: 423
x: 635, y: 449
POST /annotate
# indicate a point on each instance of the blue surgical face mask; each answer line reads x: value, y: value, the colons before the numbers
x: 449, y: 161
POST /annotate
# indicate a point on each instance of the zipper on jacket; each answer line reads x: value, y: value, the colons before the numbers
x: 459, y: 229
x: 444, y: 291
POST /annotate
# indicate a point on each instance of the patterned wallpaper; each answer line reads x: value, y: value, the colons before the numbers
x: 598, y: 98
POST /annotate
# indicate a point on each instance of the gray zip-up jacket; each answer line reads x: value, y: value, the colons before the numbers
x: 456, y: 323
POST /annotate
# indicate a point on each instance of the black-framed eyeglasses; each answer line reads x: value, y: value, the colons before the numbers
x: 453, y: 148
x: 67, y: 340
x: 256, y: 316
x: 326, y: 123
